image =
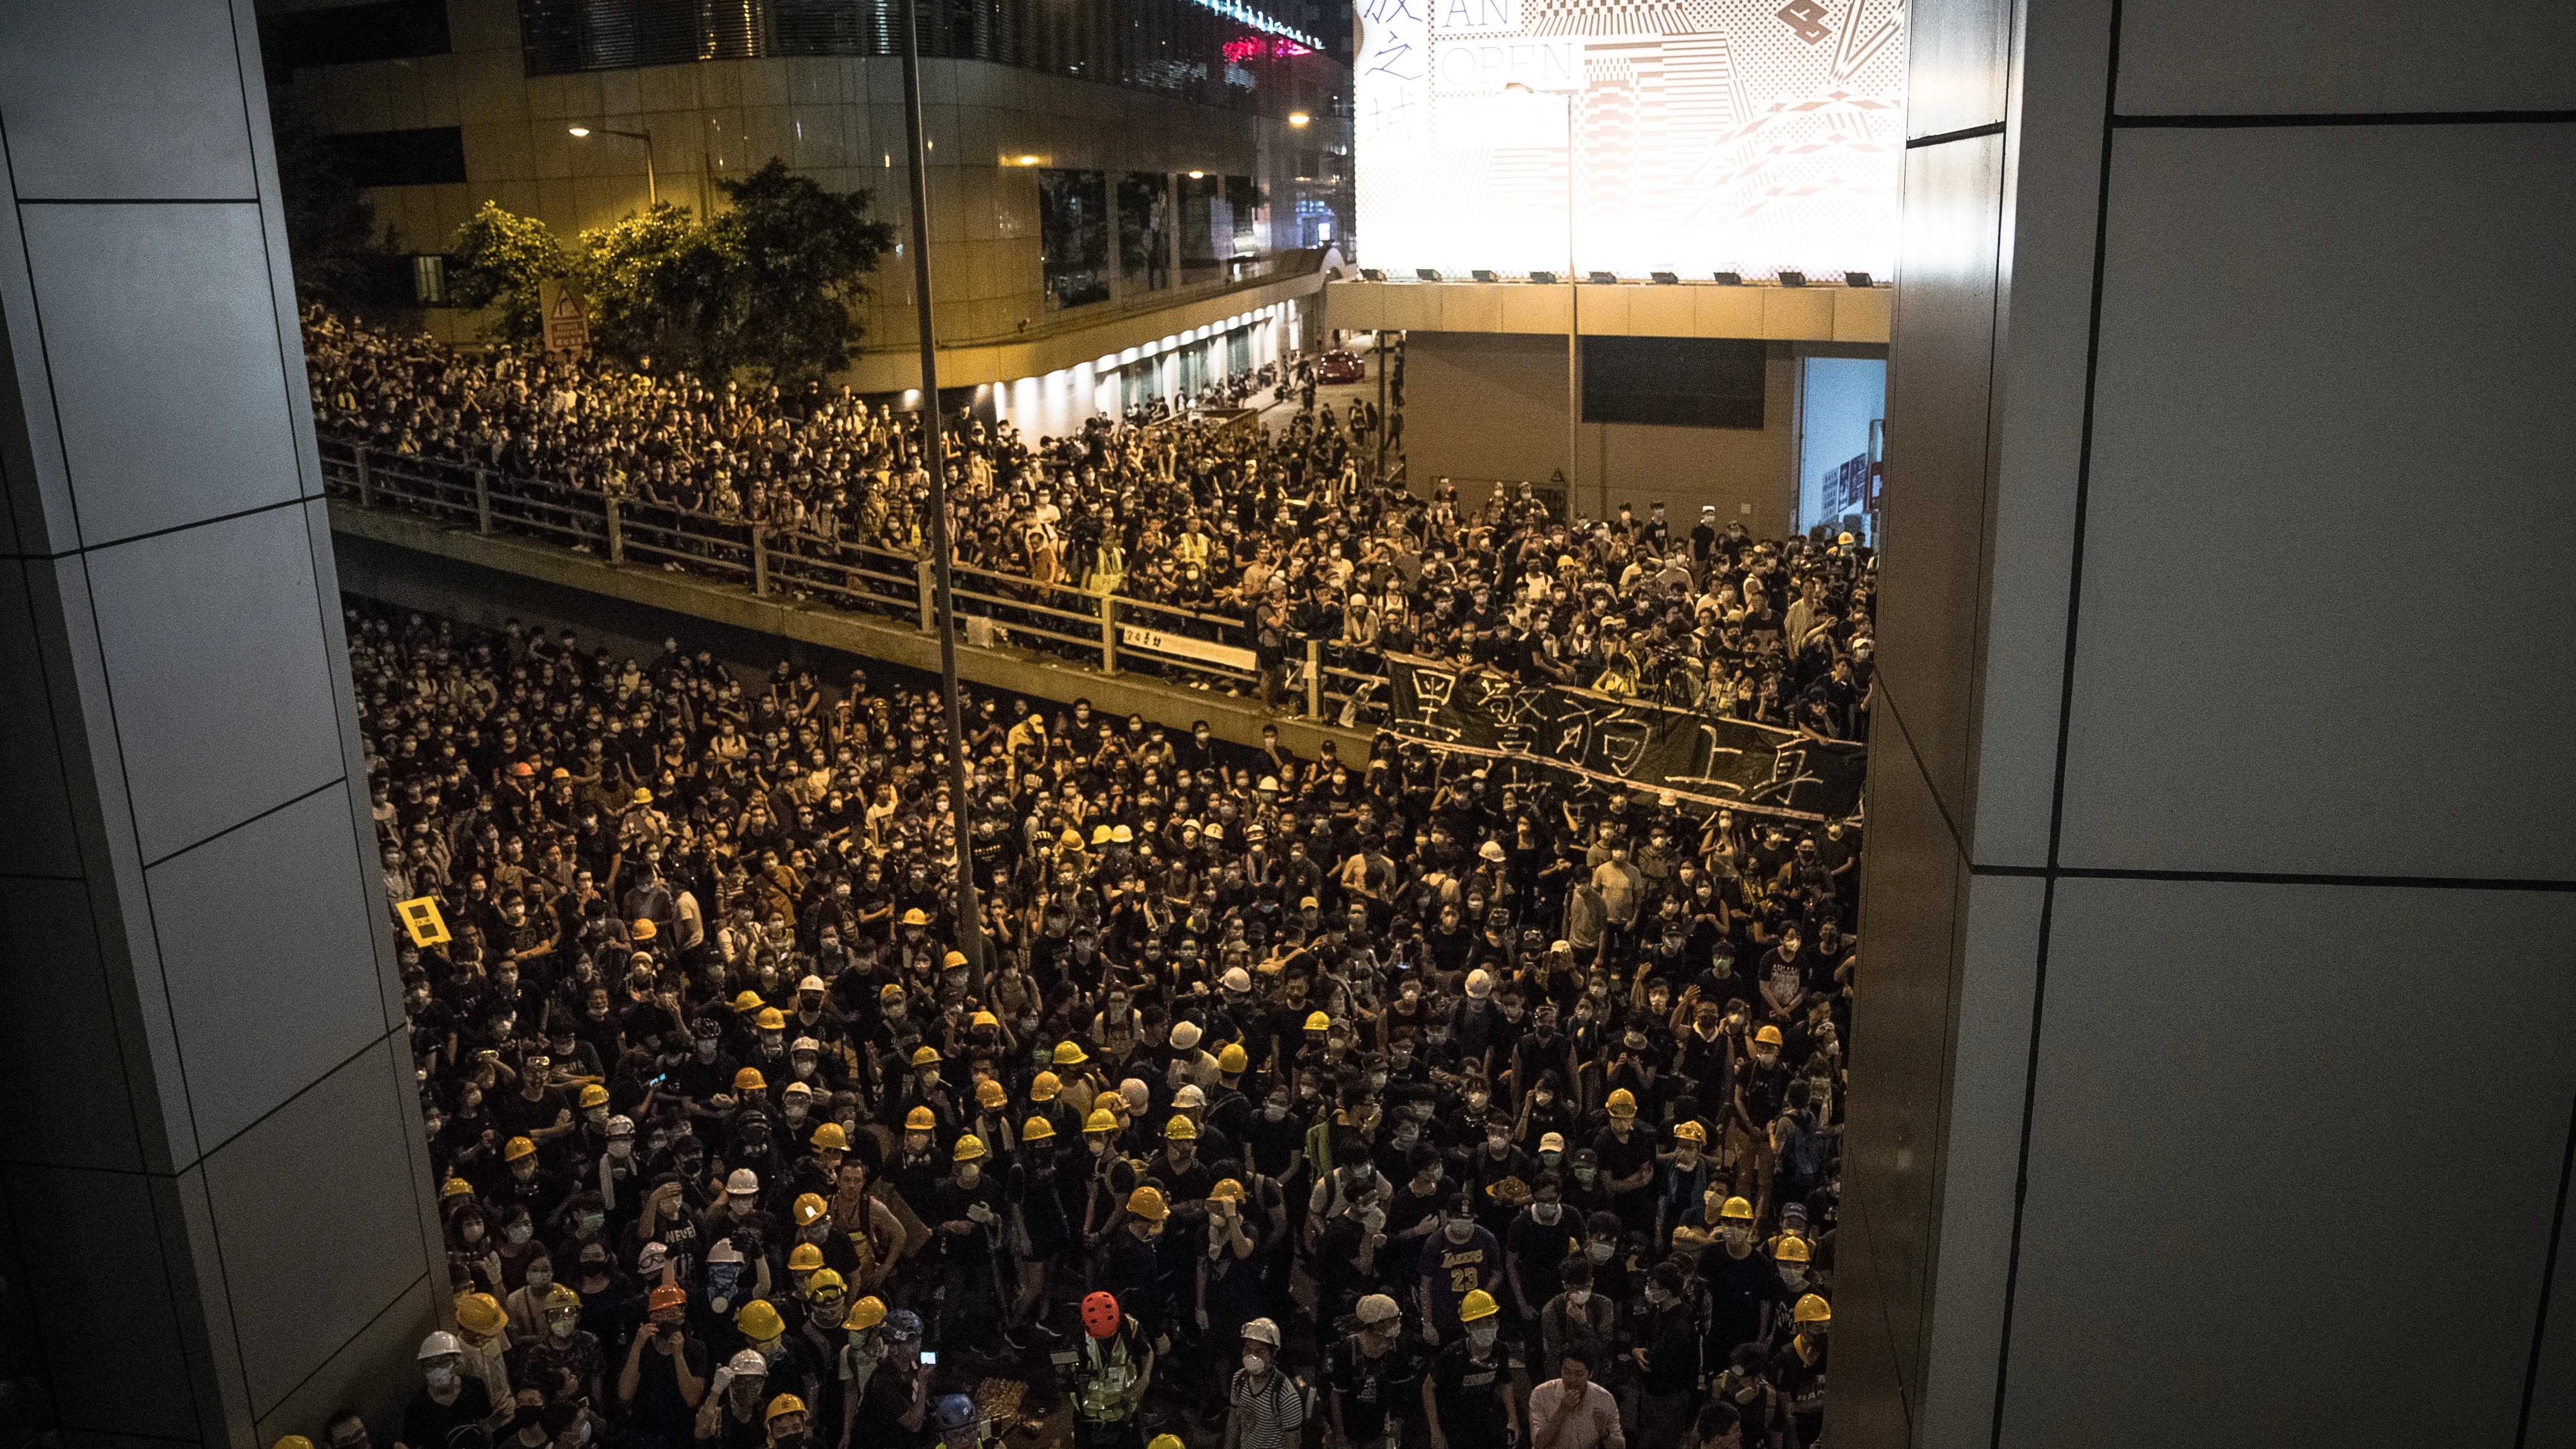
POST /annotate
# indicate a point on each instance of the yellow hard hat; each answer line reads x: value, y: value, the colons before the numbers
x: 783, y: 1405
x: 1109, y: 1102
x: 1623, y: 1103
x: 1037, y: 1129
x: 1736, y: 1209
x: 1160, y: 1441
x: 1318, y: 1021
x: 1147, y: 1203
x: 808, y: 1207
x: 479, y: 1313
x: 298, y: 1441
x: 1477, y: 1304
x: 1690, y: 1132
x: 953, y: 958
x: 1812, y: 1309
x: 824, y: 1281
x: 1100, y: 835
x: 1071, y: 839
x: 516, y: 1148
x: 455, y: 1187
x: 1226, y: 1190
x: 968, y: 1148
x: 865, y: 1313
x: 916, y: 917
x: 925, y: 1056
x: 1791, y: 1249
x: 562, y: 1295
x: 747, y: 1002
x: 804, y: 1258
x: 594, y: 1095
x: 920, y: 1119
x: 1232, y: 1059
x: 1044, y: 1086
x: 1070, y: 1054
x: 758, y: 1320
x: 1767, y: 1036
x: 643, y: 795
x: 989, y: 1093
x: 981, y: 1018
x: 749, y: 1079
x: 641, y: 931
x: 770, y: 1019
x: 830, y: 1138
x: 1180, y: 1129
x: 1100, y: 1120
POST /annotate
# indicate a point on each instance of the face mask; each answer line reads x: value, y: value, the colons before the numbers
x: 564, y: 1327
x: 707, y: 1050
x: 540, y: 1277
x: 969, y: 1174
x: 1597, y: 1252
x: 1793, y: 1277
x: 442, y: 1377
x: 1254, y: 1363
x: 1274, y: 1111
x: 1735, y: 1237
x: 1481, y: 1336
x: 620, y: 1146
x: 1547, y: 1212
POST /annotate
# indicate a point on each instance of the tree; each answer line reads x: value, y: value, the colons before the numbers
x: 500, y: 258
x: 802, y: 255
x: 661, y: 285
x: 331, y: 228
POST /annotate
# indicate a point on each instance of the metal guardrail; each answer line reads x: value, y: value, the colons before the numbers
x: 1112, y: 633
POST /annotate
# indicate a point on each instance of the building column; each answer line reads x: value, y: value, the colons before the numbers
x: 2209, y: 1072
x: 218, y: 1222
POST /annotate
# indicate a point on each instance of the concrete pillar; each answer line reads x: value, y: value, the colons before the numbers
x: 2209, y: 1071
x: 216, y: 1198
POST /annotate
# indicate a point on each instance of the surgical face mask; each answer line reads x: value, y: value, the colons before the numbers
x: 1792, y: 1276
x: 1597, y: 1252
x: 969, y: 1173
x: 440, y: 1377
x: 1547, y: 1211
x: 706, y: 1049
x: 590, y: 1222
x: 1274, y: 1111
x: 621, y: 1146
x: 1735, y: 1237
x: 1482, y: 1335
x: 563, y: 1325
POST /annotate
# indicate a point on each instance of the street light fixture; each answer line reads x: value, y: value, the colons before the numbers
x: 652, y: 189
x: 1298, y: 118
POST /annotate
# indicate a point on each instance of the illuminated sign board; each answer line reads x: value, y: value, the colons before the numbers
x: 1748, y: 136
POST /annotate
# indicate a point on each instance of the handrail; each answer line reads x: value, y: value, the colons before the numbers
x: 1089, y: 629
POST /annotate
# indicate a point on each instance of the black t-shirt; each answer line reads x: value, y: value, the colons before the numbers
x: 659, y: 1415
x: 1622, y: 1159
x: 1468, y: 1393
x: 427, y: 1422
x: 1540, y: 1250
x: 1373, y: 1390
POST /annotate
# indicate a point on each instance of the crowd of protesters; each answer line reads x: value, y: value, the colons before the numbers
x: 1285, y: 534
x: 1397, y: 1100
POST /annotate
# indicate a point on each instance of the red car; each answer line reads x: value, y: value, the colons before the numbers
x: 1339, y: 366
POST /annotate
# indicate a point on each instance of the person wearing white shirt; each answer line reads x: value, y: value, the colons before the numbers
x: 1570, y: 1411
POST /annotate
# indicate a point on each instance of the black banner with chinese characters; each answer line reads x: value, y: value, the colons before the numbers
x: 1700, y: 759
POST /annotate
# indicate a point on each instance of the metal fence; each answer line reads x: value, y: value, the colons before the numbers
x: 1111, y: 633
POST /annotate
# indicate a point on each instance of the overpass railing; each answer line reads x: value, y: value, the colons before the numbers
x: 1112, y: 633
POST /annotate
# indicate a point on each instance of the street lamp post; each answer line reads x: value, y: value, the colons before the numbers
x: 652, y: 188
x: 1573, y: 320
x: 970, y: 921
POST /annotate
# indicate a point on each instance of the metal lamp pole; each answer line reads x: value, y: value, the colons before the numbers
x: 652, y: 188
x: 970, y: 920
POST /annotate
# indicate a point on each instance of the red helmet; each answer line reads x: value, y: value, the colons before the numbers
x: 1100, y: 1315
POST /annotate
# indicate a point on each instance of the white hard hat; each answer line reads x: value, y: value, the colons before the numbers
x: 439, y: 1345
x: 1236, y: 979
x: 810, y: 983
x: 1480, y: 983
x: 743, y: 1183
x: 1189, y: 1096
x: 1185, y: 1034
x: 1379, y: 1308
x: 1262, y: 1330
x: 748, y: 1364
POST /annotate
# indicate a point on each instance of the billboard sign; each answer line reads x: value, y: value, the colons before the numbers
x: 1748, y: 136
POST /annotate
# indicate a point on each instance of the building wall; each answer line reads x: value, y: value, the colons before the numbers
x: 2212, y: 941
x: 1487, y: 406
x: 838, y: 120
x: 216, y: 1196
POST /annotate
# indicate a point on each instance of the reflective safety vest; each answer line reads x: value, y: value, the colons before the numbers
x: 1107, y: 1379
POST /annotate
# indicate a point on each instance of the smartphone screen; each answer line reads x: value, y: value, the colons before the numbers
x: 929, y: 1359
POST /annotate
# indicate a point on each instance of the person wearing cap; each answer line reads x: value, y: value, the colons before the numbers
x: 449, y: 1398
x: 1759, y: 1092
x: 1467, y: 1396
x: 732, y: 1415
x: 1266, y: 1407
x: 1457, y: 1259
x: 1373, y: 1373
x: 965, y: 1209
x: 664, y: 1378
